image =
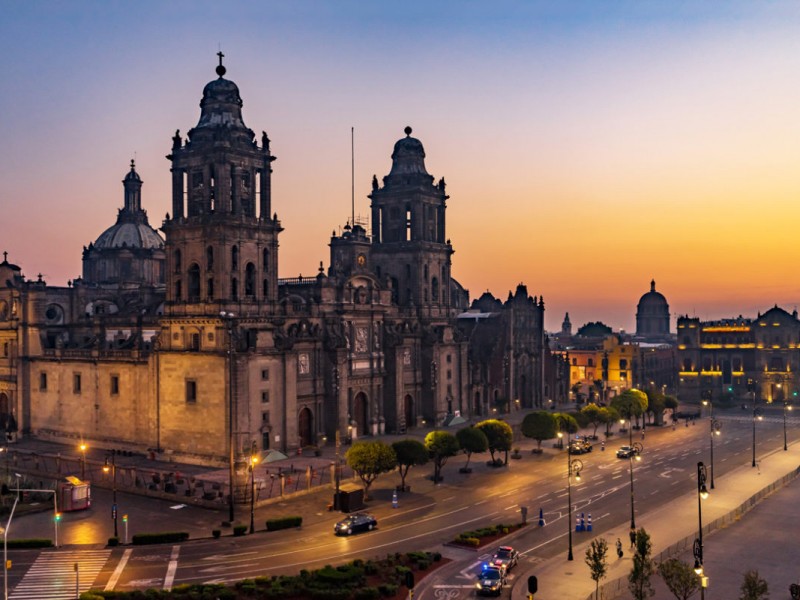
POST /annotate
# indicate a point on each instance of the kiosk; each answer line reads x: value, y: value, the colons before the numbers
x: 74, y: 494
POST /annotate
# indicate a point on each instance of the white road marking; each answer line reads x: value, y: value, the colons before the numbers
x: 118, y: 571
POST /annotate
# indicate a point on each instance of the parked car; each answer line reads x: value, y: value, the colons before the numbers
x: 579, y: 447
x: 355, y: 523
x: 505, y: 557
x: 626, y: 452
x: 491, y: 581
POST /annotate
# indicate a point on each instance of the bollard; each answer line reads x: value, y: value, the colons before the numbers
x: 589, y: 522
x: 541, y: 518
x: 577, y: 523
x: 583, y: 521
x: 394, y: 499
x: 603, y: 446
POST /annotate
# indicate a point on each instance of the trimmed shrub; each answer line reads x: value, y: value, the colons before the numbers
x: 387, y: 590
x: 216, y: 533
x: 30, y: 543
x: 169, y: 537
x: 367, y: 593
x: 239, y: 530
x: 113, y: 541
x: 284, y: 523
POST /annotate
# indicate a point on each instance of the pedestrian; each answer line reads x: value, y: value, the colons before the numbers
x: 619, y: 548
x: 633, y: 537
x: 642, y: 432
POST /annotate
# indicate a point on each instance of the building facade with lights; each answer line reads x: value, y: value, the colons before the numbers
x: 191, y: 344
x: 723, y: 356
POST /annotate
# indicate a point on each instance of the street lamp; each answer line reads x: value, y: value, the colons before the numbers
x: 113, y: 468
x: 756, y: 417
x: 83, y: 448
x: 714, y: 427
x: 636, y: 452
x: 573, y: 466
x: 786, y: 406
x: 228, y: 317
x: 702, y: 494
x: 253, y: 461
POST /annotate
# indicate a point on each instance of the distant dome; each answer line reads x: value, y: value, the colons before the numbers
x: 652, y: 314
x: 129, y: 235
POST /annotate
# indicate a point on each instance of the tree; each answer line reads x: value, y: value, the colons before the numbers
x: 679, y: 577
x: 441, y: 445
x: 753, y: 587
x: 539, y: 425
x: 565, y: 423
x: 370, y: 459
x: 630, y: 404
x: 608, y: 415
x: 596, y: 560
x: 592, y: 414
x: 410, y: 453
x: 575, y: 388
x: 472, y: 441
x: 499, y: 434
x: 671, y: 403
x: 655, y: 406
x: 643, y: 567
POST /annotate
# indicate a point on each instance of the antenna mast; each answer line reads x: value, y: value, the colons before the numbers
x: 352, y: 178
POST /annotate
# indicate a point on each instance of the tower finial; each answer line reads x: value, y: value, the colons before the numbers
x: 133, y: 165
x: 220, y: 68
x: 407, y: 130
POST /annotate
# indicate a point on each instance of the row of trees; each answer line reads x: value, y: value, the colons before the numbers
x: 369, y: 459
x: 679, y: 576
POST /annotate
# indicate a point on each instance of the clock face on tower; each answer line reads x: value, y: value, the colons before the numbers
x: 362, y: 260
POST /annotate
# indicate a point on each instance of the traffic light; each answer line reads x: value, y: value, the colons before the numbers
x: 124, y: 518
x: 58, y: 517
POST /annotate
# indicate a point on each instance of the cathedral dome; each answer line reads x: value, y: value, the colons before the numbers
x: 652, y: 314
x: 653, y: 301
x: 129, y: 235
x: 408, y: 156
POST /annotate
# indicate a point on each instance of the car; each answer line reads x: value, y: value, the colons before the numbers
x: 491, y: 581
x: 579, y: 447
x: 505, y: 557
x: 354, y: 523
x: 626, y: 452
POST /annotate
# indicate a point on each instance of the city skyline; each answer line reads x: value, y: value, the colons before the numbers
x: 635, y: 142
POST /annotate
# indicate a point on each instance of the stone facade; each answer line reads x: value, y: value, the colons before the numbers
x: 199, y: 349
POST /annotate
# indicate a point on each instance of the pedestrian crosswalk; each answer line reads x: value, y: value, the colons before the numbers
x: 56, y: 575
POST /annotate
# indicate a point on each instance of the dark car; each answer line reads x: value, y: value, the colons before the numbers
x: 505, y: 557
x: 355, y: 523
x: 626, y: 452
x: 491, y: 581
x: 579, y: 447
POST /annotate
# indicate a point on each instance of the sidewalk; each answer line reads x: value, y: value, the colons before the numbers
x: 673, y: 528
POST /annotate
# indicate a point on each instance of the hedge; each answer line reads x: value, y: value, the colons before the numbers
x: 159, y: 538
x: 284, y: 523
x: 30, y: 543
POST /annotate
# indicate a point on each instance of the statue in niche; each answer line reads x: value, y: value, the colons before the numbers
x: 374, y: 183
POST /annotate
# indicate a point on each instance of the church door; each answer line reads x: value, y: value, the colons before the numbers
x: 360, y: 409
x: 305, y: 427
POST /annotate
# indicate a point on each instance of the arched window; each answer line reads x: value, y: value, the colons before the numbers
x: 193, y: 289
x: 209, y: 258
x: 265, y: 260
x: 250, y: 280
x: 425, y: 272
x: 234, y: 288
x: 178, y: 290
x: 265, y: 289
x: 177, y: 261
x: 210, y: 288
x: 435, y: 289
x: 235, y: 257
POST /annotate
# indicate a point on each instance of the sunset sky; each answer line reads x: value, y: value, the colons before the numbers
x: 588, y: 147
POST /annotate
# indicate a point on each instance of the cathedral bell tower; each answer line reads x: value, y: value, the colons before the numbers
x: 221, y: 240
x: 408, y: 231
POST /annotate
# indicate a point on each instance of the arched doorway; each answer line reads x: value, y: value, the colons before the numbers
x: 478, y: 408
x: 305, y: 427
x: 4, y: 404
x: 360, y: 408
x: 408, y: 412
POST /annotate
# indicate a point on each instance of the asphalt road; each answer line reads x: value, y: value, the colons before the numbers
x: 426, y: 518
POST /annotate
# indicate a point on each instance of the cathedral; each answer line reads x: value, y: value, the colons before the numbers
x: 190, y: 344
